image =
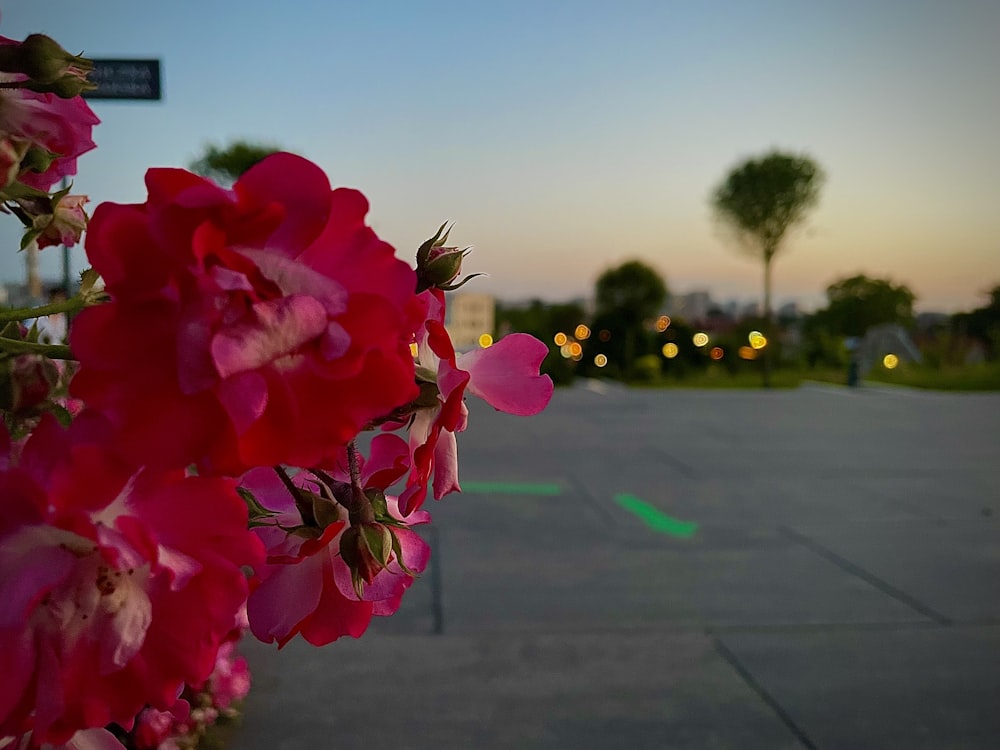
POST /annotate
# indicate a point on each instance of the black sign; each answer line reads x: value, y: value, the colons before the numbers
x: 125, y: 79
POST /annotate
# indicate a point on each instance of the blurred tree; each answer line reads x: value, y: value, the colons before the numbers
x: 858, y: 303
x: 626, y: 297
x: 760, y: 200
x: 543, y: 321
x: 225, y: 164
x: 982, y: 324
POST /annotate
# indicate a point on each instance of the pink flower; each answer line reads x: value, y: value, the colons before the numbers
x: 12, y: 153
x: 85, y: 739
x: 118, y: 586
x: 505, y: 375
x: 51, y: 124
x: 66, y: 225
x: 306, y: 588
x: 264, y: 325
x: 230, y: 680
x: 153, y: 727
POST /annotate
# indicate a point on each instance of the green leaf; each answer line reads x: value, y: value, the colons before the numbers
x: 254, y: 508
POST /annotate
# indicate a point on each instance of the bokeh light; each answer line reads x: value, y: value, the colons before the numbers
x: 662, y: 323
x: 757, y: 340
x: 604, y: 335
x: 564, y: 350
x: 670, y: 350
x: 600, y: 360
x: 747, y: 352
x: 890, y: 361
x: 717, y: 353
x: 575, y: 350
x: 700, y: 338
x: 582, y: 332
x: 485, y: 341
x: 560, y: 339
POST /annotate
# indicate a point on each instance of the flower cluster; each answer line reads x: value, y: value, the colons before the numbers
x: 261, y: 396
x: 44, y: 126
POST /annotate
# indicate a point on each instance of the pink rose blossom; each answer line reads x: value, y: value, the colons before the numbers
x: 118, y: 586
x: 259, y: 326
x: 306, y: 588
x: 67, y: 223
x: 49, y: 122
x: 85, y: 739
x: 505, y: 375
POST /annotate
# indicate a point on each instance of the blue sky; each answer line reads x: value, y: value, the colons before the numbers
x: 565, y: 137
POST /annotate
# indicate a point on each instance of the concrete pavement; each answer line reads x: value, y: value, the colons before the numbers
x: 817, y: 568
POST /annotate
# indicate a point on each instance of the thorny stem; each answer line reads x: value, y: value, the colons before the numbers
x: 352, y: 464
x: 362, y: 509
x: 301, y: 504
x: 52, y: 351
x: 71, y: 305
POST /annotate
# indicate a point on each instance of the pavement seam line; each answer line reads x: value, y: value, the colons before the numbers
x: 681, y: 467
x: 870, y: 578
x: 765, y: 696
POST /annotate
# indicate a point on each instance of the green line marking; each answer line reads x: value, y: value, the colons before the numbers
x: 511, y: 488
x: 656, y: 519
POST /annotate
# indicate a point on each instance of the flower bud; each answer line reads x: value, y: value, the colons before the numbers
x: 366, y: 548
x: 30, y: 379
x: 43, y: 60
x: 65, y: 88
x: 441, y: 267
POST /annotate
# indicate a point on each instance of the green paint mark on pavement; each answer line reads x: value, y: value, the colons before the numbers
x: 656, y: 519
x: 511, y: 488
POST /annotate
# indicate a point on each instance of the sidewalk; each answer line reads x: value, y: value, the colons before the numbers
x: 839, y: 587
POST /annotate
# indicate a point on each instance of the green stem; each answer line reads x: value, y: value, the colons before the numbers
x: 52, y: 351
x: 362, y: 511
x: 301, y: 503
x: 72, y: 305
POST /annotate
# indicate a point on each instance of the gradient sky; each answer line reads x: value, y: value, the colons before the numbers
x: 564, y: 137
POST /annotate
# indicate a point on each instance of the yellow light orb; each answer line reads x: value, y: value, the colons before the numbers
x: 890, y: 361
x: 716, y: 353
x: 662, y: 323
x: 757, y: 340
x: 700, y: 338
x: 564, y: 350
x: 582, y: 332
x: 575, y: 350
x: 670, y: 350
x: 485, y: 341
x: 600, y: 360
x: 747, y: 352
x: 561, y: 339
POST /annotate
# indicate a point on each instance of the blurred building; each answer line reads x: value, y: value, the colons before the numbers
x: 692, y: 307
x: 469, y: 315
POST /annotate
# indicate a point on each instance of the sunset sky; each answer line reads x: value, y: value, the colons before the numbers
x: 563, y: 137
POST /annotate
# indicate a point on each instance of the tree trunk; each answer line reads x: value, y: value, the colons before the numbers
x: 768, y: 333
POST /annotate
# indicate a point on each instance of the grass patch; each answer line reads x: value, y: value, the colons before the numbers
x: 981, y: 377
x: 718, y: 377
